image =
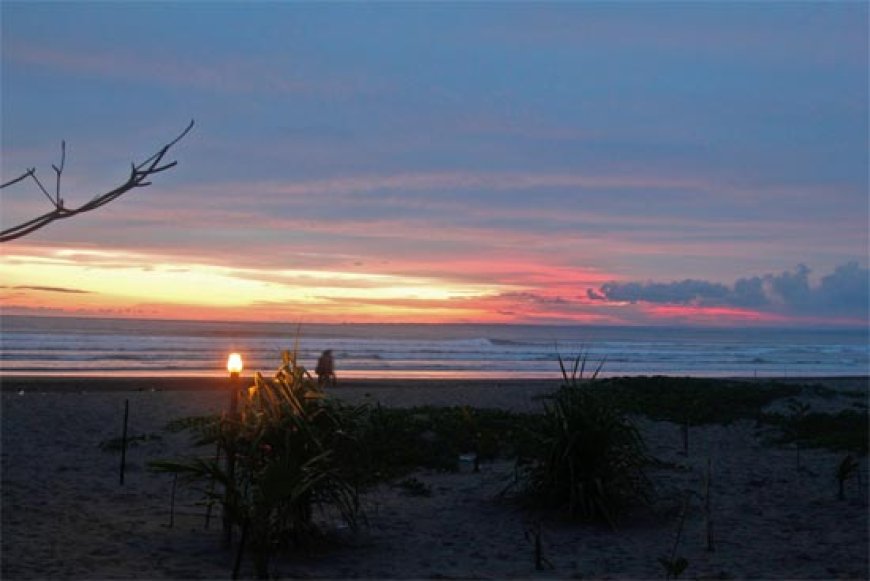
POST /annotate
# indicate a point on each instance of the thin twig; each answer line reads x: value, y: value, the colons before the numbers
x: 138, y: 178
x: 42, y: 189
x: 23, y: 176
x: 58, y: 171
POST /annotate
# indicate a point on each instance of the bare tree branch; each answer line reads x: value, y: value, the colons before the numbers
x: 139, y: 175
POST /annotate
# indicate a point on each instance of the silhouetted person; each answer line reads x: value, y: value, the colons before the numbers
x: 325, y: 369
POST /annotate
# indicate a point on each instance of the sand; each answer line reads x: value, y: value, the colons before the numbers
x: 65, y: 515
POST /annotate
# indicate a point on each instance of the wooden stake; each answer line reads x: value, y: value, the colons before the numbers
x: 231, y: 462
x: 124, y: 439
x: 686, y: 438
x: 240, y: 552
x: 217, y: 461
x: 534, y: 534
x: 707, y: 509
x: 673, y: 559
x: 172, y: 501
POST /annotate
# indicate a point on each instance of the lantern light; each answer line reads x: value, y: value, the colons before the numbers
x: 234, y: 363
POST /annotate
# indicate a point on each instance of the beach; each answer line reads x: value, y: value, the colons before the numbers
x: 66, y: 515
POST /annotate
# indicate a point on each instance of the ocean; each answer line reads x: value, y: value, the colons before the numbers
x: 91, y: 346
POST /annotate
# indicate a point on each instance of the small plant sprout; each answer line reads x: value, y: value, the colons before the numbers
x: 798, y: 412
x: 675, y: 568
x: 415, y: 487
x: 673, y: 564
x: 534, y: 534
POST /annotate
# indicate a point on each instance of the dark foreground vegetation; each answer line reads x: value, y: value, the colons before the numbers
x: 289, y: 448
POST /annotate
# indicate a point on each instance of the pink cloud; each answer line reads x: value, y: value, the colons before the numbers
x: 425, y: 181
x: 229, y: 75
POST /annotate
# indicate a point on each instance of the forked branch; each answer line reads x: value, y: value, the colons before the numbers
x: 139, y: 175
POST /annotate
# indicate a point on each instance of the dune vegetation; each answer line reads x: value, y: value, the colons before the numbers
x: 290, y: 447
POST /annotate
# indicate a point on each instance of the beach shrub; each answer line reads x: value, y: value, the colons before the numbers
x: 846, y: 430
x: 590, y: 458
x: 287, y: 450
x: 399, y: 440
x: 695, y: 401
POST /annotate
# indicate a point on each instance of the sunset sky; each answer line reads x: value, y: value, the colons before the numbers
x: 619, y: 163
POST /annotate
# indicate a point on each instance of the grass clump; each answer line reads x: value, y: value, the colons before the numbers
x: 589, y: 457
x: 287, y: 450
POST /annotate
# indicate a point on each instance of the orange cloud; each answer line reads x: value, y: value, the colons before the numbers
x: 162, y: 286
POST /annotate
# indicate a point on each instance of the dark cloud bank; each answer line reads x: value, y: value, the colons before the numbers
x: 843, y: 293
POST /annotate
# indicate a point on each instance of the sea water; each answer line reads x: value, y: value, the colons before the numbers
x: 92, y: 346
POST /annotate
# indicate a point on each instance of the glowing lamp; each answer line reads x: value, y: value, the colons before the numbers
x: 234, y: 364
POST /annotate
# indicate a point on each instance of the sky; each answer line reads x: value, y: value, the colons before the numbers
x: 549, y: 162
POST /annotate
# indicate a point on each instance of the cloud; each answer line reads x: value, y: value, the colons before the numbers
x: 228, y: 75
x: 848, y: 286
x: 535, y: 299
x: 50, y: 289
x: 453, y: 180
x: 843, y: 293
x: 683, y: 292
